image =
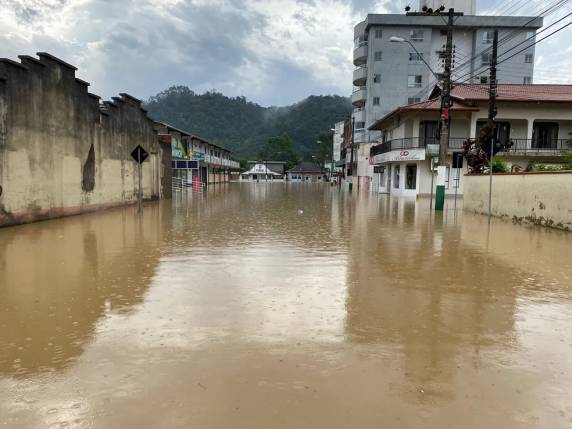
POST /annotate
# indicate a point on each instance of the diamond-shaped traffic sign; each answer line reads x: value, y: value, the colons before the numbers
x: 139, y: 154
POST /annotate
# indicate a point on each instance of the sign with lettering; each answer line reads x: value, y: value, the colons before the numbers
x: 399, y: 155
x: 178, y: 149
x: 198, y: 156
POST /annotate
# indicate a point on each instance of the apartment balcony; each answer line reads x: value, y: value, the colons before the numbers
x: 360, y: 76
x: 360, y: 136
x: 359, y: 96
x: 360, y: 54
x: 401, y: 144
x: 359, y: 114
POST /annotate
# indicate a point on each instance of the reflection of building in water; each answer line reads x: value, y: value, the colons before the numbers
x: 82, y: 268
x: 417, y: 287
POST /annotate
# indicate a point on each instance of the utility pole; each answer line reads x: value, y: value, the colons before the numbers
x: 445, y: 113
x: 492, y: 115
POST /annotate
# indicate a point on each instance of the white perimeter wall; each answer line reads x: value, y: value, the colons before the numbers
x: 540, y: 198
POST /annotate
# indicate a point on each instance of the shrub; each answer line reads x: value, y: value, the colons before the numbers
x: 499, y: 166
x: 567, y: 160
x: 547, y: 167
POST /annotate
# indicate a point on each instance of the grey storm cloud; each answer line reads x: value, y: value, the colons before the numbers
x: 274, y: 52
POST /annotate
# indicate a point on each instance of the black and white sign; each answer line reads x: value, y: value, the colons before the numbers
x: 139, y: 154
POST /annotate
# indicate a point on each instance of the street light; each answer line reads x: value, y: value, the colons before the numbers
x: 402, y: 40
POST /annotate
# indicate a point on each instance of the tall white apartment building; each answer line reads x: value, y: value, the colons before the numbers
x: 338, y: 140
x: 390, y: 74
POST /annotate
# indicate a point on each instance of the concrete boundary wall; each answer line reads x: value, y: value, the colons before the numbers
x: 540, y: 198
x: 63, y: 151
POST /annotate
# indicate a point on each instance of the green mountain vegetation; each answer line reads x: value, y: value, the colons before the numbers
x: 246, y: 127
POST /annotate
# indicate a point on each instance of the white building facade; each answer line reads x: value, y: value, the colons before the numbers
x: 390, y: 74
x: 535, y: 121
x: 338, y: 140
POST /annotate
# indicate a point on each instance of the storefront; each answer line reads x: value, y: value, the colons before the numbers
x: 409, y: 175
x: 399, y: 172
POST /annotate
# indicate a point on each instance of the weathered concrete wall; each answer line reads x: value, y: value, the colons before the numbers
x: 540, y: 198
x: 62, y: 152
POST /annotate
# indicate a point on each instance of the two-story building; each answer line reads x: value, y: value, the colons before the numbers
x: 194, y: 159
x: 535, y: 121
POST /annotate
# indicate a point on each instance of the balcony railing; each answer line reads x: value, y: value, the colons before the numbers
x: 536, y: 147
x: 400, y: 144
x: 360, y: 54
x: 552, y: 147
x: 360, y: 75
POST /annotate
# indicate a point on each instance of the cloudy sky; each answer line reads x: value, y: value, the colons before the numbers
x: 274, y: 52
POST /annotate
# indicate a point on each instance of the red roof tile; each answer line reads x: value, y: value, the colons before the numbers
x: 423, y: 106
x: 515, y: 92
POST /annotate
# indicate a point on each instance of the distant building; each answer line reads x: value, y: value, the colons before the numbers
x: 195, y: 159
x: 389, y: 74
x: 534, y: 120
x: 338, y: 140
x: 274, y: 166
x: 260, y: 172
x: 306, y: 172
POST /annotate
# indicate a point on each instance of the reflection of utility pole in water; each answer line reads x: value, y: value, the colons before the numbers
x: 492, y: 115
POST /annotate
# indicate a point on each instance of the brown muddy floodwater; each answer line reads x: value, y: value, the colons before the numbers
x: 235, y: 309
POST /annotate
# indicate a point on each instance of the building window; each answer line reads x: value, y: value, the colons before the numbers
x: 411, y: 176
x: 485, y: 59
x: 488, y: 36
x: 416, y: 35
x: 545, y: 135
x: 412, y: 100
x: 530, y: 34
x: 527, y: 80
x: 428, y: 132
x: 528, y: 58
x: 378, y: 33
x: 414, y: 81
x: 376, y: 78
x: 396, y: 176
x: 415, y: 56
x: 359, y: 126
x: 376, y: 101
x: 377, y: 56
x: 484, y: 80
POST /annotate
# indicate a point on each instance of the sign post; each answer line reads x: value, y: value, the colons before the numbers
x: 140, y: 155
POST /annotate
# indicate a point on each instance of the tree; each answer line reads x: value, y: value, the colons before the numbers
x: 245, y: 127
x: 279, y: 148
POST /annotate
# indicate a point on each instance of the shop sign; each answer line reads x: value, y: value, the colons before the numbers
x: 178, y: 150
x: 198, y: 156
x: 400, y: 155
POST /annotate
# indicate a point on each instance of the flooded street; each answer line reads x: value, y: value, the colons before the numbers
x: 284, y: 306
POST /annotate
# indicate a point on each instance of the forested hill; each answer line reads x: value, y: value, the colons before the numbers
x: 243, y: 126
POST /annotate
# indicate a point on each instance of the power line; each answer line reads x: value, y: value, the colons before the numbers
x: 511, y: 35
x: 472, y: 74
